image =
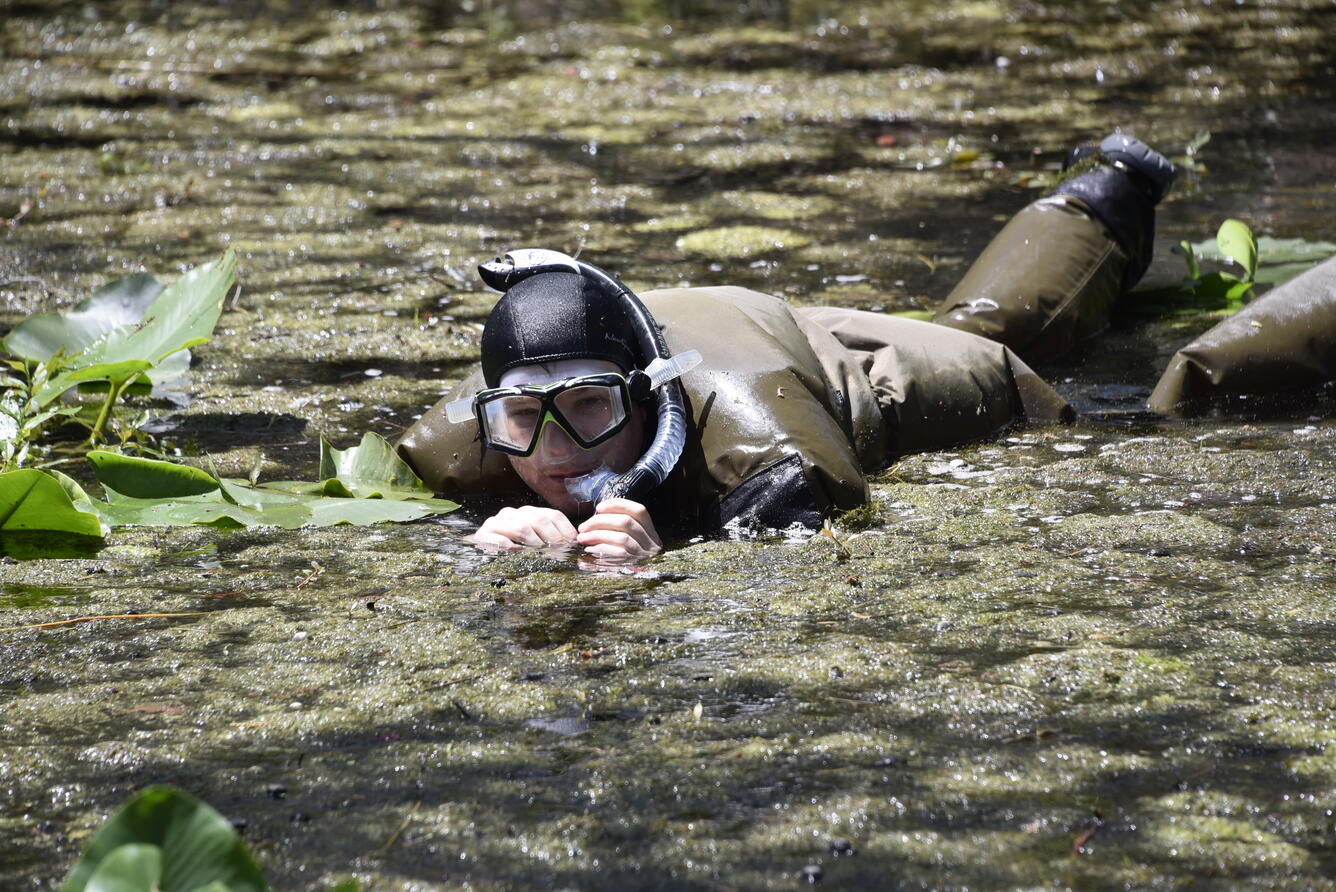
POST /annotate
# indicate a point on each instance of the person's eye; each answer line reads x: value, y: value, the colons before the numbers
x: 592, y: 404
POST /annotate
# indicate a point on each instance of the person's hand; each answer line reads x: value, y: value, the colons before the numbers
x: 620, y: 528
x: 527, y: 525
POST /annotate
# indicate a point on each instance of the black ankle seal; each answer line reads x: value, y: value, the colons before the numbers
x: 1124, y: 201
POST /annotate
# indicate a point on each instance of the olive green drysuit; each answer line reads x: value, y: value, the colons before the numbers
x: 792, y: 406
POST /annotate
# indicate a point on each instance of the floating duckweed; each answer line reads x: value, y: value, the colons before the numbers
x: 734, y: 242
x: 777, y: 206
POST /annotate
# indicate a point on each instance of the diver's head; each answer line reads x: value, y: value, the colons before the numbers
x: 555, y: 316
x: 562, y: 346
x: 573, y: 418
x: 585, y: 425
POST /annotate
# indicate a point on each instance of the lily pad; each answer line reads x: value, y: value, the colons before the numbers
x: 369, y: 484
x: 143, y: 478
x: 122, y: 302
x: 35, y: 501
x: 173, y: 841
x: 180, y: 316
x: 183, y: 315
x: 1274, y: 250
x: 372, y: 469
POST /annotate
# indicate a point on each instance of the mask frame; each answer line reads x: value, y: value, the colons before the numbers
x: 547, y: 395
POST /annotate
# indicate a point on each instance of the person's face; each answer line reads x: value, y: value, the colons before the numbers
x: 557, y: 457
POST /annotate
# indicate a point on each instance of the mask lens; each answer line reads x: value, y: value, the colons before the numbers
x: 591, y: 409
x: 512, y: 420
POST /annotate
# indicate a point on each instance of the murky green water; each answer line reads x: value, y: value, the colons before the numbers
x: 1090, y: 657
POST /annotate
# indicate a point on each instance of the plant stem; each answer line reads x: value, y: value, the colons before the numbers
x: 89, y: 619
x: 114, y: 389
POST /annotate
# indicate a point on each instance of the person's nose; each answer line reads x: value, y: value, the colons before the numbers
x: 554, y: 444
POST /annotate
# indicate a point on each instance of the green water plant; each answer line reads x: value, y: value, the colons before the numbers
x: 362, y: 485
x: 164, y: 840
x: 1259, y: 262
x: 47, y: 514
x: 366, y: 484
x: 128, y: 336
x: 1234, y: 242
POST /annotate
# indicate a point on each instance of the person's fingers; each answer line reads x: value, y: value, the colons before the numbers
x: 530, y: 526
x: 552, y: 525
x: 608, y: 553
x: 634, y: 510
x: 612, y: 542
x: 514, y: 525
x: 491, y: 540
x: 621, y: 524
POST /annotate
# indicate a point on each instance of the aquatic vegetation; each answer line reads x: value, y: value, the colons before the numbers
x: 166, y: 840
x: 35, y: 502
x: 1235, y: 243
x: 131, y: 334
x: 362, y: 485
x: 134, y: 334
x: 734, y: 242
x: 1264, y: 261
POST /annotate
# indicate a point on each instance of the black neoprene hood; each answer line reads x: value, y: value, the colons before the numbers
x: 553, y: 316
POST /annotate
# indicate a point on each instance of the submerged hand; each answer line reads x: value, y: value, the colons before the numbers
x: 527, y: 525
x: 620, y: 528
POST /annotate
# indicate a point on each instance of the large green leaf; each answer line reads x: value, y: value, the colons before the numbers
x: 362, y: 512
x: 133, y: 867
x: 128, y: 329
x: 208, y: 509
x: 1271, y: 251
x: 147, y: 492
x: 146, y: 478
x: 106, y: 371
x: 183, y: 315
x: 117, y: 303
x: 1289, y: 250
x: 371, y: 469
x: 32, y: 500
x: 197, y: 845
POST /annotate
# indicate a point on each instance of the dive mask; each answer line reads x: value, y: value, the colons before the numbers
x: 590, y: 409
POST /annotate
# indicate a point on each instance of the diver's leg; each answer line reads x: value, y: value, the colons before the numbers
x: 935, y: 387
x: 1283, y: 341
x: 1050, y: 278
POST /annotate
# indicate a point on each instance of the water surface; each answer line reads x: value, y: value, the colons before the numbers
x: 1086, y: 657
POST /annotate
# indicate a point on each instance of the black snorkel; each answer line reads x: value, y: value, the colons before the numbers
x: 653, y: 467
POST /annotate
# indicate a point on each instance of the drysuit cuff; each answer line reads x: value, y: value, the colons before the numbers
x: 1119, y: 200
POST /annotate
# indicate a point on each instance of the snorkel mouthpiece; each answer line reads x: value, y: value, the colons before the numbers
x: 653, y: 467
x: 590, y: 487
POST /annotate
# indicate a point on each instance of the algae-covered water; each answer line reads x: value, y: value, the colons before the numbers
x: 1097, y: 656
